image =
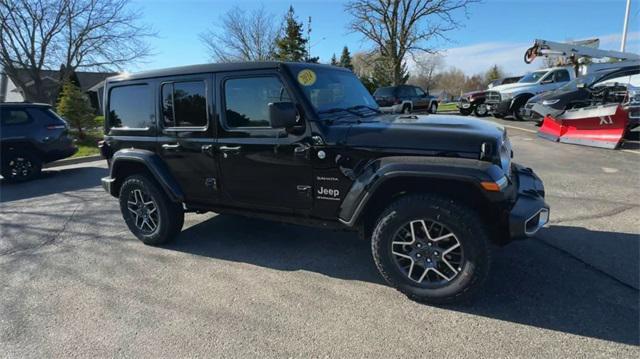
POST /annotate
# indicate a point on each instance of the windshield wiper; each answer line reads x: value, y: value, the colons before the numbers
x: 340, y: 109
x: 364, y: 107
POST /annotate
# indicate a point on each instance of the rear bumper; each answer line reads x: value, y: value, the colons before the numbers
x: 530, y: 212
x: 391, y: 109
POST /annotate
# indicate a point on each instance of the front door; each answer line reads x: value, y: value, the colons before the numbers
x: 261, y: 167
x: 187, y: 142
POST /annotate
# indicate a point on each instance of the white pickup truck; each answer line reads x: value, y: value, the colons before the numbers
x: 510, y: 99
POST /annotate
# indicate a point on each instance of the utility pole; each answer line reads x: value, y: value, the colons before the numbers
x: 309, y: 39
x: 625, y: 27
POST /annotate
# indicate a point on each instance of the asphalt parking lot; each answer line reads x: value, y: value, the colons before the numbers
x: 75, y: 282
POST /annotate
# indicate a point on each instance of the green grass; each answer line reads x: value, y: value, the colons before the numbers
x: 88, y: 146
x: 445, y: 107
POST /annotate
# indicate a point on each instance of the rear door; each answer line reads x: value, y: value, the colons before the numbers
x: 186, y: 141
x: 261, y: 167
x: 422, y: 100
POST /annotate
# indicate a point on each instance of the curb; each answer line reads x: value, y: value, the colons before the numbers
x: 73, y: 161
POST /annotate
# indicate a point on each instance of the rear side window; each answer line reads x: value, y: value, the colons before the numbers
x: 385, y: 92
x: 184, y: 104
x: 247, y: 100
x: 14, y: 117
x: 406, y: 91
x: 130, y: 107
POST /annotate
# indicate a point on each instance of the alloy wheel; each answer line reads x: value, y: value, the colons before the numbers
x: 427, y: 253
x: 144, y: 210
x: 20, y: 167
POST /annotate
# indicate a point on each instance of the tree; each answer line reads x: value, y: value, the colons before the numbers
x: 345, y: 59
x: 494, y: 73
x: 452, y: 81
x: 36, y: 35
x: 334, y: 61
x: 75, y: 108
x: 242, y: 36
x: 291, y: 45
x: 400, y: 27
x: 427, y: 66
x: 382, y: 76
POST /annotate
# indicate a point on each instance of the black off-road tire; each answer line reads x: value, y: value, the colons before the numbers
x: 433, y: 108
x: 27, y: 158
x: 170, y: 215
x: 461, y: 220
x: 406, y: 109
x: 478, y: 112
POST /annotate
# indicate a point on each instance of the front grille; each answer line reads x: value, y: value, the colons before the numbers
x: 492, y: 97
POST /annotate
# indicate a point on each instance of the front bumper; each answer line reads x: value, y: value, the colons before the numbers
x: 530, y: 212
x: 499, y: 108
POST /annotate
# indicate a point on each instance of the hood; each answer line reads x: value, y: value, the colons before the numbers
x: 425, y: 133
x: 512, y: 87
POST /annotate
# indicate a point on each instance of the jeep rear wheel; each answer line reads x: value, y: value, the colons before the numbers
x: 431, y: 249
x: 406, y: 109
x: 148, y: 212
x: 20, y: 165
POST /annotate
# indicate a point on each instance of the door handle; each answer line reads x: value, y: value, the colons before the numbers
x: 208, y: 149
x: 168, y: 147
x: 301, y: 149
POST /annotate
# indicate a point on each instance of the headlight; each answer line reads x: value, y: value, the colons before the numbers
x: 505, y: 156
x: 506, y: 95
x: 550, y: 102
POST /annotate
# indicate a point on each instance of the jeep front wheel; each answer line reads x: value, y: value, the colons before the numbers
x: 431, y: 249
x: 149, y: 213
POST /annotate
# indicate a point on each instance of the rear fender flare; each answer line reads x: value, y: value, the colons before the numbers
x: 382, y: 170
x: 153, y: 163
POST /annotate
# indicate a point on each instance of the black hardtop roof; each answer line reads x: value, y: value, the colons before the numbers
x: 219, y: 67
x: 24, y: 104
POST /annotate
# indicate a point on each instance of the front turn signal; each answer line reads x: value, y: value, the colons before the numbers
x: 494, y: 186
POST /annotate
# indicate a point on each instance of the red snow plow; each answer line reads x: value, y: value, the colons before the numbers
x: 600, y: 126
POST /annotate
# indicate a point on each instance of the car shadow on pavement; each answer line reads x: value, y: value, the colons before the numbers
x: 531, y: 282
x: 52, y: 181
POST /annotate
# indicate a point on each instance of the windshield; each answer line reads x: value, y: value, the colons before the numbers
x: 330, y: 90
x: 532, y: 77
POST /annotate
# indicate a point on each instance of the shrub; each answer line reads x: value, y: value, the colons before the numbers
x: 75, y: 108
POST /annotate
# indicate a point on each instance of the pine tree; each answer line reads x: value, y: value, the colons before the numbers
x: 291, y: 45
x: 64, y: 77
x: 334, y: 61
x: 494, y: 73
x: 383, y: 72
x: 345, y: 59
x: 75, y: 108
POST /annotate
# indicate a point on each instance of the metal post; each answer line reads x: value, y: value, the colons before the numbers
x: 625, y: 27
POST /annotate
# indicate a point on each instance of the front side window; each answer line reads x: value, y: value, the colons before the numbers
x: 419, y: 91
x: 623, y: 79
x: 184, y: 104
x: 562, y: 76
x: 130, y: 107
x: 247, y: 100
x: 14, y: 117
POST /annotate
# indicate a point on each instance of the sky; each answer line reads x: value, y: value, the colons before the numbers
x: 492, y: 32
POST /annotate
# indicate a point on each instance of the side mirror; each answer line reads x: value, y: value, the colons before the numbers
x: 283, y: 115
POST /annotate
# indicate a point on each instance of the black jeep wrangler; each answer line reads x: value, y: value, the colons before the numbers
x: 306, y: 144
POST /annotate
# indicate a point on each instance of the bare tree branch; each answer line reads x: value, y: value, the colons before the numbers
x: 36, y: 35
x: 401, y: 27
x: 242, y: 36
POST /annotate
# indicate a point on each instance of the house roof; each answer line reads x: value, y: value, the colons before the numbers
x: 87, y: 79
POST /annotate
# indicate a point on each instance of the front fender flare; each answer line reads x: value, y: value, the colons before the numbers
x: 381, y: 170
x: 154, y: 164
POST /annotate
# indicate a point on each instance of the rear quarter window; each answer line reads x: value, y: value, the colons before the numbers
x: 14, y: 117
x: 130, y: 107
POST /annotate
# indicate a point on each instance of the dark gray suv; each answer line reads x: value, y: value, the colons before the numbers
x: 30, y: 135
